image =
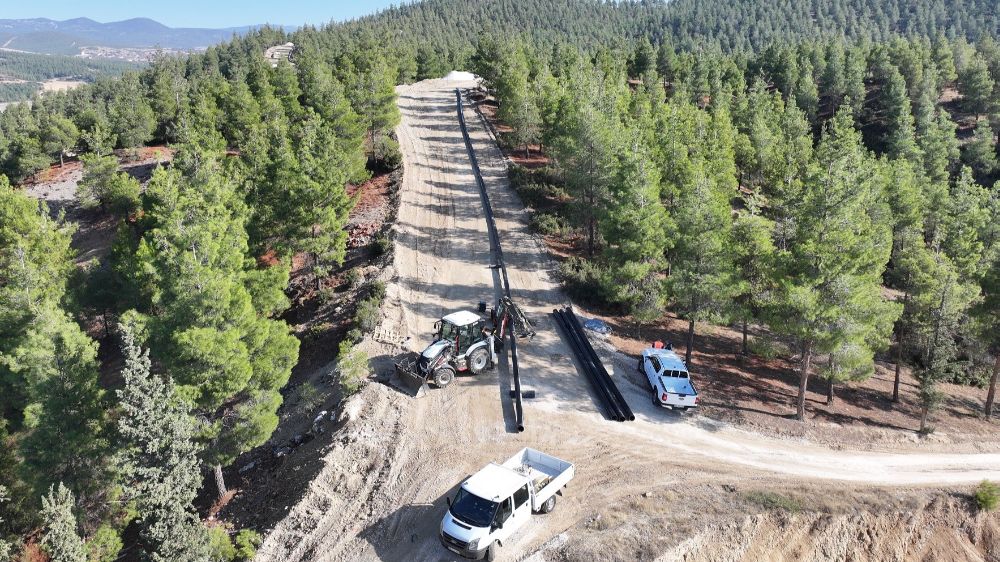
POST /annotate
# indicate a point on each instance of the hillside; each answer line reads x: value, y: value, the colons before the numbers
x: 451, y: 24
x: 67, y: 37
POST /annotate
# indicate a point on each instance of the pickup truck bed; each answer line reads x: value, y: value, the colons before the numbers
x: 676, y: 385
x: 547, y: 474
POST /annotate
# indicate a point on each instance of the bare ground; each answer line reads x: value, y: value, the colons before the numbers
x: 382, y: 478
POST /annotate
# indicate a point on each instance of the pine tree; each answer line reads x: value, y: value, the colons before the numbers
x: 132, y: 120
x: 517, y: 107
x: 888, y: 118
x: 635, y: 230
x: 987, y: 313
x: 373, y: 97
x: 807, y: 93
x: 702, y: 278
x: 965, y: 218
x: 102, y: 184
x: 643, y: 59
x: 832, y: 271
x: 6, y: 548
x: 158, y: 460
x: 753, y: 258
x: 976, y: 86
x: 941, y: 300
x: 61, y: 540
x: 981, y: 152
x: 36, y: 259
x: 228, y: 359
x: 321, y: 203
x: 586, y: 151
x: 68, y: 407
x: 59, y: 136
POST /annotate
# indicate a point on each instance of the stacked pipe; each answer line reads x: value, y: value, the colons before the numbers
x: 497, y: 252
x: 607, y: 392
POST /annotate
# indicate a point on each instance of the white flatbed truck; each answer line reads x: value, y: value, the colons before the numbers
x: 494, y: 502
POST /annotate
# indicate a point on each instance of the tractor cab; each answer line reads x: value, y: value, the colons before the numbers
x: 462, y: 328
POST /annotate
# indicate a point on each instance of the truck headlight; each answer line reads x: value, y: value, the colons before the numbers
x: 474, y: 544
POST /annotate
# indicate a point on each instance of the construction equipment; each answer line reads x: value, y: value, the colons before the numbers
x: 463, y: 341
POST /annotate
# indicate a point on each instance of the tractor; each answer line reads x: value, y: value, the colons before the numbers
x: 464, y: 342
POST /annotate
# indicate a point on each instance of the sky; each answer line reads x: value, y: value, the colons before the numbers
x: 196, y: 13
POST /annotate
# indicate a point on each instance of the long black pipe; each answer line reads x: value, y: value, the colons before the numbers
x: 604, y: 375
x: 603, y: 397
x: 605, y: 382
x: 491, y: 227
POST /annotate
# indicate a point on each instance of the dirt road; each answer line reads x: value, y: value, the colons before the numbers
x: 382, y: 492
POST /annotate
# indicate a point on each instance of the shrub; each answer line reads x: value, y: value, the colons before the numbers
x: 367, y: 317
x: 352, y: 362
x: 546, y: 223
x: 771, y: 500
x: 382, y: 245
x: 353, y: 277
x: 765, y: 348
x: 377, y: 291
x: 987, y: 495
x: 354, y: 335
x: 584, y: 280
x: 104, y: 545
x: 247, y: 542
x: 310, y: 397
x: 386, y: 153
x: 219, y: 545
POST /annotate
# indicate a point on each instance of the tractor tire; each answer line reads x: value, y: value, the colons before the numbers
x: 479, y: 360
x: 443, y: 376
x: 549, y: 505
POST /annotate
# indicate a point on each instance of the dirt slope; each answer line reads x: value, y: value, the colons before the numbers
x: 382, y: 492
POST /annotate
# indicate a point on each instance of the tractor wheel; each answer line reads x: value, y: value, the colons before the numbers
x: 479, y: 359
x: 443, y: 376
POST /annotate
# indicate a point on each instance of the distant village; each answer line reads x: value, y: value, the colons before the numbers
x: 131, y: 54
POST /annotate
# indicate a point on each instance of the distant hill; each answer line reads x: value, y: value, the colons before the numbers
x: 42, y: 35
x: 449, y: 25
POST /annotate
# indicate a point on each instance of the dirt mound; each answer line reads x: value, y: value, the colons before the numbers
x: 349, y: 487
x: 920, y: 527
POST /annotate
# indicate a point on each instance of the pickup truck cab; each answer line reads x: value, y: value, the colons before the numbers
x: 494, y: 502
x: 669, y: 378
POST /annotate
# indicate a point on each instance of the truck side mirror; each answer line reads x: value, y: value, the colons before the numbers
x: 447, y: 500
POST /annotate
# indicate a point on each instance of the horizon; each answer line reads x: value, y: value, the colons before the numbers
x: 196, y: 14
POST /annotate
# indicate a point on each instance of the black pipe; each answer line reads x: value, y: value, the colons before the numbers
x: 589, y: 349
x: 491, y: 228
x: 604, y: 381
x: 590, y: 370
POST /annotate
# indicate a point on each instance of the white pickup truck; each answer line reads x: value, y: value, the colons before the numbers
x: 669, y: 378
x: 497, y: 500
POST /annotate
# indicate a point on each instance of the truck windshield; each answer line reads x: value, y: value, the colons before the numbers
x: 473, y: 509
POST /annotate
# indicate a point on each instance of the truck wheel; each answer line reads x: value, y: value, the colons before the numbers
x: 491, y: 552
x: 549, y: 505
x: 656, y: 401
x: 443, y: 376
x: 639, y: 366
x: 479, y: 360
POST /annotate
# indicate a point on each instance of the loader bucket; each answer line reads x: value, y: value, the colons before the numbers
x: 408, y: 380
